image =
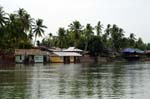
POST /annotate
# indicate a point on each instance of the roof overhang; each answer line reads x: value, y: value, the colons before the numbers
x: 67, y: 54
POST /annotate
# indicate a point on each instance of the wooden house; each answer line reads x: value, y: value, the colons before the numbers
x: 65, y: 57
x: 31, y: 56
x: 70, y: 55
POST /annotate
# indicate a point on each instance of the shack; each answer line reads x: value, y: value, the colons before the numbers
x: 65, y: 57
x: 132, y: 54
x: 69, y: 55
x: 31, y: 56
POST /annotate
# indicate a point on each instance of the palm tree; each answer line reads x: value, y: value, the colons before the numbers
x: 106, y: 36
x: 61, y: 37
x: 13, y: 33
x: 3, y: 18
x: 107, y: 31
x: 132, y: 39
x: 25, y: 20
x: 116, y: 36
x: 38, y: 28
x: 18, y: 26
x: 3, y: 21
x: 50, y: 35
x: 75, y: 28
x: 88, y: 32
x: 99, y: 28
x: 140, y: 44
x: 132, y: 36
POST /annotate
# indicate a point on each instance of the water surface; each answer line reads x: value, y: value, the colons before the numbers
x: 76, y: 81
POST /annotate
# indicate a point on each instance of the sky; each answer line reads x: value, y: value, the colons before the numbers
x: 131, y: 15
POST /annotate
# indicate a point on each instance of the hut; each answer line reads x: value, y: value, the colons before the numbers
x: 132, y: 54
x: 65, y: 57
x: 31, y: 56
x: 70, y: 55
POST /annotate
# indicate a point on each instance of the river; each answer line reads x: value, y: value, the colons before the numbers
x: 128, y: 80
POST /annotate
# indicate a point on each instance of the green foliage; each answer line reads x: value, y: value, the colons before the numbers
x: 61, y: 38
x: 16, y: 29
x: 116, y: 37
x: 98, y: 28
x: 75, y: 29
x: 96, y: 46
x: 87, y: 34
x: 140, y: 44
x: 148, y: 46
x: 112, y: 38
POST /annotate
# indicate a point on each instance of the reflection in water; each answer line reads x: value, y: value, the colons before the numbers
x: 12, y: 82
x: 75, y: 81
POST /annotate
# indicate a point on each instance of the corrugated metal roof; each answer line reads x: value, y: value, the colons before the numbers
x: 30, y: 52
x: 67, y: 54
x: 132, y: 50
x: 73, y: 49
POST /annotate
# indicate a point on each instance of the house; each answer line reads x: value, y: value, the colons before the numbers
x: 70, y: 55
x: 132, y: 54
x: 31, y: 56
x: 65, y: 57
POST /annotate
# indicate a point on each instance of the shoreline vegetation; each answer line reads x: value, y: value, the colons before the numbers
x: 19, y: 30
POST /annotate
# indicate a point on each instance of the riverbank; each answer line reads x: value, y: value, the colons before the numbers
x: 9, y: 58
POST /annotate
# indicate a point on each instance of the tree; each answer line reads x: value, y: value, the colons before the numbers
x: 38, y: 28
x: 105, y: 37
x: 50, y: 35
x: 30, y: 35
x: 88, y: 32
x: 148, y: 46
x: 16, y: 29
x: 3, y: 18
x: 25, y: 19
x: 98, y: 28
x: 116, y: 37
x: 107, y: 31
x: 3, y: 21
x: 132, y: 36
x: 132, y: 40
x: 61, y: 37
x: 76, y: 28
x: 18, y: 26
x: 96, y: 46
x: 140, y: 44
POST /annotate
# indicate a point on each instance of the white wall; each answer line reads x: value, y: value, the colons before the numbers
x: 19, y: 58
x: 38, y: 58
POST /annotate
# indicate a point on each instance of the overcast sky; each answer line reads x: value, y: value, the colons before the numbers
x: 131, y: 15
